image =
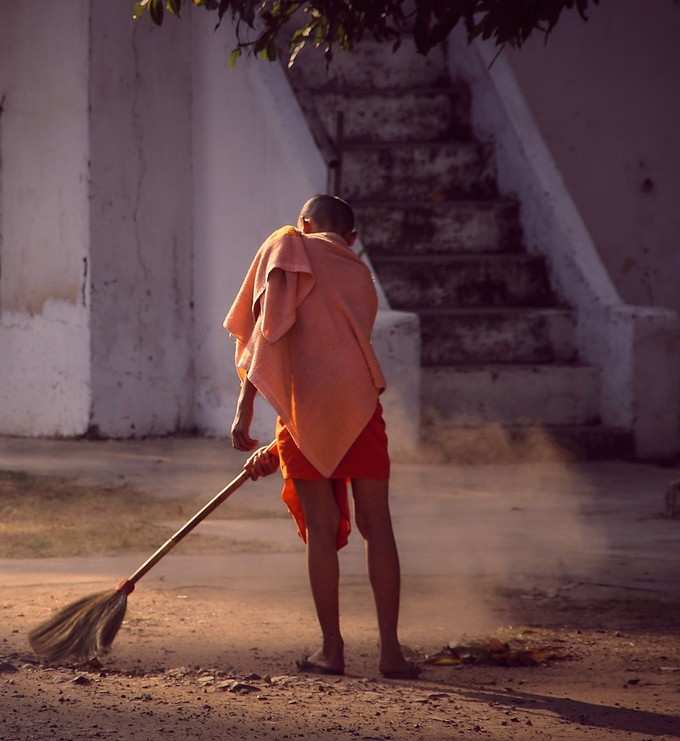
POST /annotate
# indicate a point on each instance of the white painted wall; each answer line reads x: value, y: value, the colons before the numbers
x: 141, y: 224
x: 605, y: 96
x: 255, y: 164
x: 396, y: 340
x: 44, y: 343
x: 121, y: 254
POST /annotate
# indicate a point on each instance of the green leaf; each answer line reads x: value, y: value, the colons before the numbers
x: 295, y: 51
x: 263, y: 26
x: 234, y: 57
x: 156, y: 11
x: 138, y: 10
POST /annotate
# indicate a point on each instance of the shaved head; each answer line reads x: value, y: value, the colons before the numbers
x: 329, y: 214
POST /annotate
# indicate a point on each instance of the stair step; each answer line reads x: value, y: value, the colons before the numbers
x: 420, y: 114
x: 451, y: 226
x: 419, y: 170
x: 371, y: 65
x: 510, y: 394
x: 452, y: 337
x: 456, y: 281
x: 499, y: 444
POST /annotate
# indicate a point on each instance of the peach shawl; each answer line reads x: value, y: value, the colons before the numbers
x: 302, y: 321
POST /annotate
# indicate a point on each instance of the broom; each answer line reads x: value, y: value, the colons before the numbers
x: 88, y: 627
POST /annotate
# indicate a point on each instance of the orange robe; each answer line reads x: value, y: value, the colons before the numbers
x: 367, y: 458
x: 302, y: 321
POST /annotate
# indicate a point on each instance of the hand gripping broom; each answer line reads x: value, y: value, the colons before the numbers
x: 88, y: 627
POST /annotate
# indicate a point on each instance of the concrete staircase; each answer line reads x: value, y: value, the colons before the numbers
x: 501, y: 373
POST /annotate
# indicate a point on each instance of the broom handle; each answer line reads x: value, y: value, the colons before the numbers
x: 171, y: 542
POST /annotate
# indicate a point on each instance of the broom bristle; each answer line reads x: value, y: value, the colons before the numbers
x: 84, y: 629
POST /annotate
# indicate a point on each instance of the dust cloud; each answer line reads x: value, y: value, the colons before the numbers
x: 506, y: 522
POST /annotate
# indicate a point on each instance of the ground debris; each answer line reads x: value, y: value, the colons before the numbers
x: 81, y: 679
x: 282, y: 679
x: 494, y: 652
x: 178, y: 672
x: 233, y: 685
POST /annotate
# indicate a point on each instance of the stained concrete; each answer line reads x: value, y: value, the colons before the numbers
x: 381, y: 69
x: 419, y: 171
x: 499, y: 347
x: 512, y: 394
x: 455, y: 281
x: 433, y: 228
x: 459, y: 336
x: 394, y: 115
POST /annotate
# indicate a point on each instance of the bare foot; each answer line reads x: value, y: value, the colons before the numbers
x: 323, y: 662
x: 393, y: 665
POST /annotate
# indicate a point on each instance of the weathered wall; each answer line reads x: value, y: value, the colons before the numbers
x: 141, y: 239
x: 121, y: 253
x: 44, y: 374
x: 254, y: 165
x: 605, y: 97
x: 627, y: 343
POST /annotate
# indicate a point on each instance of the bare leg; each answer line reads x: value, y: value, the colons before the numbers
x: 322, y: 518
x: 375, y: 524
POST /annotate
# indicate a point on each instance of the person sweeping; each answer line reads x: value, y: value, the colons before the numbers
x: 302, y: 321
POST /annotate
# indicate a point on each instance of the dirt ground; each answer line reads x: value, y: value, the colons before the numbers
x: 573, y: 559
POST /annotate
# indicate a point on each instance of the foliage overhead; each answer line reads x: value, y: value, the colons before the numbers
x: 265, y: 26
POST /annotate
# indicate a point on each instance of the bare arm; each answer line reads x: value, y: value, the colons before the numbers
x: 243, y: 417
x: 264, y: 460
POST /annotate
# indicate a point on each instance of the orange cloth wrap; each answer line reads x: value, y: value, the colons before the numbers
x: 367, y: 458
x: 302, y: 321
